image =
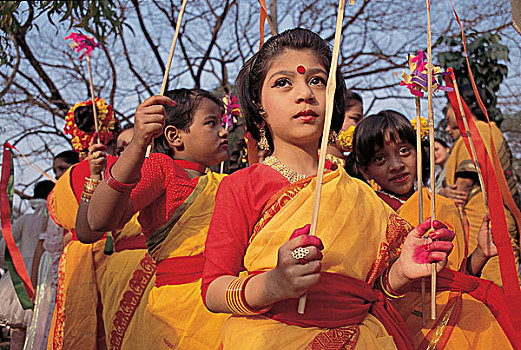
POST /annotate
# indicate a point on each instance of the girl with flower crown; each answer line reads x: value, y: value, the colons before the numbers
x: 259, y: 258
x: 383, y: 147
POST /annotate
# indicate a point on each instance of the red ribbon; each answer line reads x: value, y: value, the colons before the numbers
x: 5, y: 216
x: 496, y: 208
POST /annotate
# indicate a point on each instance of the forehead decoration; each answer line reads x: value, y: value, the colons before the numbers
x: 301, y: 69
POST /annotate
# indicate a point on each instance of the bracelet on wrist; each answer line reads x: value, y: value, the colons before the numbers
x: 88, y: 189
x: 119, y: 186
x: 385, y: 286
x: 236, y: 300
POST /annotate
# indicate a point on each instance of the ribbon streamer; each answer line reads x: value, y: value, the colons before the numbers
x: 17, y: 270
x: 262, y: 21
x: 496, y: 207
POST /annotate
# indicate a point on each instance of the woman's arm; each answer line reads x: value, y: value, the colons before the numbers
x: 291, y: 278
x: 36, y: 263
x: 485, y: 249
x: 109, y: 208
x: 97, y: 158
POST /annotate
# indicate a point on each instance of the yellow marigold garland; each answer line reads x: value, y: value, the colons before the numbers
x: 107, y: 124
x: 424, y: 130
x: 345, y: 139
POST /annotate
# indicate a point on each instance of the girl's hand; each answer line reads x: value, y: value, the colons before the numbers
x: 291, y: 277
x: 150, y: 119
x: 97, y: 158
x: 417, y: 255
x: 458, y: 196
x: 486, y: 244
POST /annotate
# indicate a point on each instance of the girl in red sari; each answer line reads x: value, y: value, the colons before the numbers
x: 259, y: 258
x: 383, y: 146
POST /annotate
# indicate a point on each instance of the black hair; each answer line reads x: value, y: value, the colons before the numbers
x: 42, y: 189
x: 442, y: 142
x: 252, y: 74
x: 69, y: 156
x: 84, y: 118
x: 351, y: 98
x: 182, y: 115
x: 371, y: 132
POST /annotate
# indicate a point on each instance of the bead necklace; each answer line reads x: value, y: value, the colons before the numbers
x: 402, y: 201
x: 288, y: 173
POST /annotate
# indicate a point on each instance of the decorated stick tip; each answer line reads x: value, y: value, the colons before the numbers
x: 80, y: 42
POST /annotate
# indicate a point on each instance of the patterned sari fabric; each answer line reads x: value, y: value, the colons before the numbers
x: 175, y: 316
x: 462, y: 321
x: 104, y: 295
x: 361, y: 236
x: 460, y: 162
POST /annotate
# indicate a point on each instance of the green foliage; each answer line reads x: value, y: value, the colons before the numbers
x: 97, y: 17
x: 485, y: 57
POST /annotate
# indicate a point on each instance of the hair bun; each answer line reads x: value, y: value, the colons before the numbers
x: 84, y: 118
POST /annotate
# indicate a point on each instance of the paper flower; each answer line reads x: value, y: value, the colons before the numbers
x: 345, y: 139
x: 82, y: 42
x: 424, y: 128
x: 231, y: 109
x: 107, y: 125
x: 417, y: 81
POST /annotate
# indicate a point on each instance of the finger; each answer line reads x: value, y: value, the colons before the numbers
x: 443, y: 234
x: 453, y: 187
x: 435, y: 257
x: 155, y: 109
x: 308, y: 269
x: 485, y: 222
x: 439, y: 246
x: 314, y: 254
x: 158, y: 100
x: 93, y: 140
x: 98, y: 147
x: 304, y: 241
x: 300, y: 231
x: 421, y: 229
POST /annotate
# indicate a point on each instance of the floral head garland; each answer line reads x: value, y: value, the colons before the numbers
x: 345, y: 139
x: 417, y: 82
x: 107, y: 125
x: 82, y: 42
x: 231, y: 110
x: 424, y: 128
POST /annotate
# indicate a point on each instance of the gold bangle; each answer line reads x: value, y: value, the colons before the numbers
x: 385, y: 287
x: 236, y: 300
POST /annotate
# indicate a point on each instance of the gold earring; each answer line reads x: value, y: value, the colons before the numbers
x: 263, y: 142
x: 332, y: 138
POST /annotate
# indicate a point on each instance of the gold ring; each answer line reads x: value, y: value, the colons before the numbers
x: 95, y: 155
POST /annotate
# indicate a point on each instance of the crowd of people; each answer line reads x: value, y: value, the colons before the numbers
x: 134, y: 252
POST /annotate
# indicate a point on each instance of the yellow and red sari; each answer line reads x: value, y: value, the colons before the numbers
x: 463, y: 321
x: 460, y: 162
x: 257, y: 210
x: 102, y: 295
x: 175, y: 316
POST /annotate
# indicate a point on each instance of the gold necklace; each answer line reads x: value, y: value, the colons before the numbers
x: 288, y: 173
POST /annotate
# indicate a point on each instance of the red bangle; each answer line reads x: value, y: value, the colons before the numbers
x: 116, y: 185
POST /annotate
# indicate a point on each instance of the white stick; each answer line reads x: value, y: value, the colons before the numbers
x: 169, y: 63
x: 330, y: 100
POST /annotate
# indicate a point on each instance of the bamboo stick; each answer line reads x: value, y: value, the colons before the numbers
x: 169, y: 63
x: 419, y: 177
x: 94, y: 109
x: 330, y: 96
x: 431, y: 146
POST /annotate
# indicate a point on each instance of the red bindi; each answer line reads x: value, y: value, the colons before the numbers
x: 387, y: 143
x: 301, y: 69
